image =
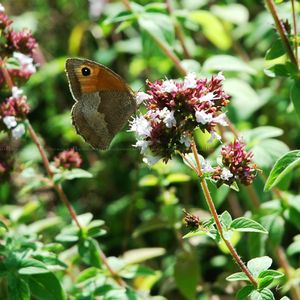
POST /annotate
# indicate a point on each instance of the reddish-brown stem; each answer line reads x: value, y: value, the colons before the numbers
x: 58, y: 187
x: 119, y: 280
x: 295, y: 32
x: 178, y: 30
x: 46, y: 163
x: 6, y: 75
x: 127, y: 4
x: 188, y: 162
x: 282, y: 32
x: 283, y: 262
x: 215, y: 216
x: 169, y: 53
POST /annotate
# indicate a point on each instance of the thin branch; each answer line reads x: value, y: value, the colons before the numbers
x: 178, y: 30
x: 282, y: 32
x: 169, y: 53
x: 127, y: 5
x: 295, y: 32
x: 214, y: 213
x: 58, y: 187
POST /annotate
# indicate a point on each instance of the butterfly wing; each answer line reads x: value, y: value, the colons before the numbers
x: 104, y: 102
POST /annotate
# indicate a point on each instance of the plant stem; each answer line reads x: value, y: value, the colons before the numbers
x: 282, y: 32
x: 295, y: 32
x: 178, y: 30
x: 46, y: 163
x: 214, y: 213
x: 56, y: 186
x: 169, y: 53
x: 119, y: 280
x: 127, y: 5
x: 283, y: 262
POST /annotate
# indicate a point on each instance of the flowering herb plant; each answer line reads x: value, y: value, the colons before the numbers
x: 209, y: 128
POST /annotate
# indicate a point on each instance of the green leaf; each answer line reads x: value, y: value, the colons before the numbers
x: 227, y: 63
x: 71, y: 174
x: 275, y: 51
x: 3, y: 225
x: 276, y: 231
x: 186, y: 274
x: 295, y: 96
x: 156, y: 29
x: 264, y: 294
x: 273, y: 273
x: 87, y: 274
x: 46, y: 287
x: 293, y: 248
x: 255, y: 135
x: 212, y: 28
x: 241, y: 92
x: 282, y: 167
x: 194, y: 233
x: 234, y: 13
x: 149, y: 180
x: 259, y: 264
x: 32, y: 266
x: 247, y: 225
x: 142, y: 254
x: 89, y: 252
x: 265, y: 281
x: 177, y: 178
x: 237, y: 277
x: 268, y: 151
x: 244, y: 292
x: 226, y: 219
x: 18, y: 289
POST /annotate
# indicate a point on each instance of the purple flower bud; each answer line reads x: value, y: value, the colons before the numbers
x: 68, y: 159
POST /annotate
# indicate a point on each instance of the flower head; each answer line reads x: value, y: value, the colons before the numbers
x: 174, y: 110
x: 237, y: 165
x: 21, y: 41
x: 191, y: 221
x: 18, y: 131
x: 68, y: 159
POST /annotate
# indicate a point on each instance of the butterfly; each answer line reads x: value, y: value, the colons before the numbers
x: 103, y: 101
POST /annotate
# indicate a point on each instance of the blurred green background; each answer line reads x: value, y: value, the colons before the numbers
x: 142, y: 207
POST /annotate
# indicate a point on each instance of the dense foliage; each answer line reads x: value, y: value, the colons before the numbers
x: 198, y: 198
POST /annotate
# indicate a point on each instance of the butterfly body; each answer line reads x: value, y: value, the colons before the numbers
x: 103, y: 101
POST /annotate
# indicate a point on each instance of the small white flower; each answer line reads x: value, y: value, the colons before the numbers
x: 221, y: 119
x: 206, y: 167
x: 25, y: 61
x: 190, y: 81
x: 16, y: 92
x: 185, y: 139
x: 220, y: 76
x: 141, y: 97
x: 169, y: 86
x: 151, y: 160
x: 203, y: 117
x: 143, y: 145
x: 214, y: 136
x: 18, y: 131
x: 226, y: 174
x: 2, y: 9
x: 140, y: 126
x: 207, y: 98
x: 96, y: 8
x: 10, y: 121
x: 168, y: 117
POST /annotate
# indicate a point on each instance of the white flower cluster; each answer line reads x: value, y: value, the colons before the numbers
x: 142, y: 128
x: 26, y: 62
x: 142, y: 125
x: 17, y: 130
